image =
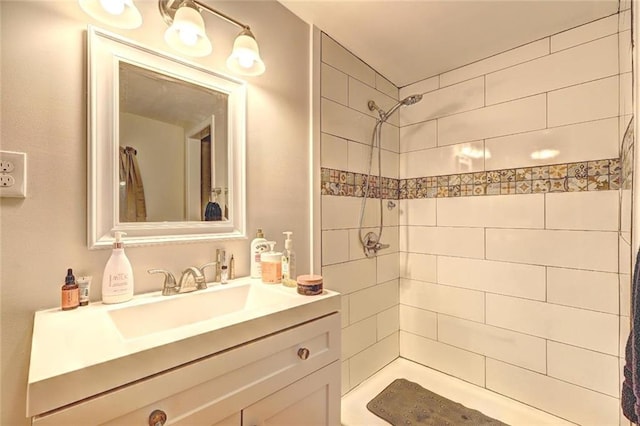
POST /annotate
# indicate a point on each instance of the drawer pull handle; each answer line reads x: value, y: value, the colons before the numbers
x: 303, y: 353
x: 157, y: 418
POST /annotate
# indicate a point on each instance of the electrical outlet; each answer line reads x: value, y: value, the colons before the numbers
x: 7, y: 180
x: 6, y: 166
x: 13, y: 174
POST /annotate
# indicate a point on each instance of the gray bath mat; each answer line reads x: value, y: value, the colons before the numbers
x: 407, y: 403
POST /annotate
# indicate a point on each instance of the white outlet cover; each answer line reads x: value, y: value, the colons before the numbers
x: 17, y: 160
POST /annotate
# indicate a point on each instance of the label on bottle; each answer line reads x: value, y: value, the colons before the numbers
x: 286, y: 274
x: 272, y: 272
x: 84, y: 295
x: 70, y: 299
x: 118, y: 283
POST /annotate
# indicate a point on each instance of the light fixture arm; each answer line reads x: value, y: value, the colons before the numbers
x: 221, y: 15
x: 168, y: 10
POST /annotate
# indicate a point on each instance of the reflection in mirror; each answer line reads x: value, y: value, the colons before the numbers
x: 166, y: 147
x: 173, y: 149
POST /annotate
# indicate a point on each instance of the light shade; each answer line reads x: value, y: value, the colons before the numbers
x: 187, y: 33
x: 116, y: 13
x: 245, y: 57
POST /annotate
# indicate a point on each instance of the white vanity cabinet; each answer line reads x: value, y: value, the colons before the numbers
x: 288, y: 378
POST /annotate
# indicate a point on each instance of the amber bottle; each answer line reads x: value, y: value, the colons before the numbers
x: 70, y: 292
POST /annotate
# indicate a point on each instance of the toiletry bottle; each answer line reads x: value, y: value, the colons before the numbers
x: 219, y: 262
x: 224, y: 274
x: 70, y: 294
x: 257, y: 247
x: 271, y: 265
x: 288, y: 262
x: 84, y: 283
x: 232, y: 268
x: 117, y: 281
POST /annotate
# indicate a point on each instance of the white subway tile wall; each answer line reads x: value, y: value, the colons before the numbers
x: 585, y: 62
x: 369, y: 286
x: 574, y: 402
x: 584, y: 102
x: 525, y: 292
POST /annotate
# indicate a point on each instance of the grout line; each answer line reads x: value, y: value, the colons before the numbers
x: 484, y: 87
x: 546, y: 285
x: 546, y: 357
x: 546, y: 110
x: 544, y: 211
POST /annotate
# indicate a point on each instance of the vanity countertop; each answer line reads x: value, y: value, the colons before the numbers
x: 82, y: 352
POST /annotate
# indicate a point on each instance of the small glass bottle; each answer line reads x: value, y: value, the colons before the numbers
x: 224, y: 274
x: 70, y: 292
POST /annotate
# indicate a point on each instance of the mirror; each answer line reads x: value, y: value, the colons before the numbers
x: 166, y: 147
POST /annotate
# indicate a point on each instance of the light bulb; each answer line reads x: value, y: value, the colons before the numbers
x: 114, y: 7
x: 188, y: 36
x: 245, y: 61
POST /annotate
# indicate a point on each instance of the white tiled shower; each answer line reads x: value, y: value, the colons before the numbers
x: 510, y: 257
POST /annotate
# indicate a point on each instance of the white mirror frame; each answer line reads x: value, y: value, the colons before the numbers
x: 105, y: 51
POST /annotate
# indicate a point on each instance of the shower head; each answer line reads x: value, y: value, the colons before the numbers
x: 410, y: 100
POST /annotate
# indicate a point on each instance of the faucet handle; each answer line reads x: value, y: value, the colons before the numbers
x: 206, y: 265
x: 169, y: 287
x: 202, y: 268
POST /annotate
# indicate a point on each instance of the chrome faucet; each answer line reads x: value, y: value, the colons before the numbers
x: 372, y: 244
x: 192, y: 279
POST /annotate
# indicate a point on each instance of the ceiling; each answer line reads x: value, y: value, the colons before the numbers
x: 408, y: 41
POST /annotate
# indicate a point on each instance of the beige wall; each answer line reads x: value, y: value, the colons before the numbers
x: 43, y: 114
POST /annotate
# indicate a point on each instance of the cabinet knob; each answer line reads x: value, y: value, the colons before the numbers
x: 157, y: 418
x: 303, y: 353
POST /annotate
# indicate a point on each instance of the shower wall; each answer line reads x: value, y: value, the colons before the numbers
x: 369, y: 286
x: 514, y: 273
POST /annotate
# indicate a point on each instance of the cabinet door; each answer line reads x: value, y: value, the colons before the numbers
x: 311, y: 401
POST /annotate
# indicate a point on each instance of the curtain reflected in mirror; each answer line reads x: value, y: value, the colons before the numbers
x: 173, y: 149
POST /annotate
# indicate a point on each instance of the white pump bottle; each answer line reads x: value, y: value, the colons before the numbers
x: 288, y: 262
x: 117, y: 280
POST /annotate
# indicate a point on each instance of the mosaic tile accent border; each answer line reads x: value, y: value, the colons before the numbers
x: 599, y: 175
x: 350, y: 184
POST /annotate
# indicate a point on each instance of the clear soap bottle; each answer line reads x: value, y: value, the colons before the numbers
x: 288, y: 262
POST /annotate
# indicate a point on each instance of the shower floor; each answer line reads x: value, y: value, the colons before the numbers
x: 354, y: 403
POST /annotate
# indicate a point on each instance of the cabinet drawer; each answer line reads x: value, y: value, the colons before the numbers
x: 214, y: 387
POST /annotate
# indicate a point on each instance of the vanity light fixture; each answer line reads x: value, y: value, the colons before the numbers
x: 117, y: 13
x: 186, y: 33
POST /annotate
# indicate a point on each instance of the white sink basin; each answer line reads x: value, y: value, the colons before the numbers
x: 169, y: 312
x: 153, y: 333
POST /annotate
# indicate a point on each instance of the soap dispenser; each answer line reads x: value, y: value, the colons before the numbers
x: 117, y: 280
x: 288, y: 262
x: 271, y: 263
